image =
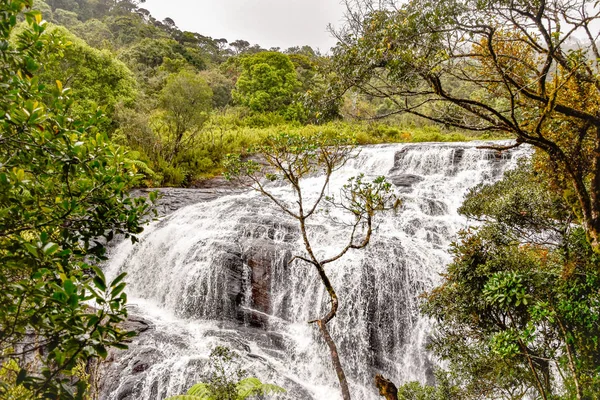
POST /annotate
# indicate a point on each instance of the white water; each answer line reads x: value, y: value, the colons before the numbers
x: 191, y: 275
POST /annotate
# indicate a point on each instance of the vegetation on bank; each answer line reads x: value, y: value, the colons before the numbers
x: 229, y: 133
x: 64, y: 194
x: 180, y: 101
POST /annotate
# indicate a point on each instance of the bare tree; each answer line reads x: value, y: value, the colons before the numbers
x: 291, y: 158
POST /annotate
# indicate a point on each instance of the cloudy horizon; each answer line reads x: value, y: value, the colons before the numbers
x: 268, y: 23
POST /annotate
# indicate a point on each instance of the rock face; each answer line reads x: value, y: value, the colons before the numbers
x: 172, y: 199
x: 266, y: 246
x: 125, y: 373
x: 219, y: 274
x: 246, y: 266
x: 259, y: 259
x: 404, y: 181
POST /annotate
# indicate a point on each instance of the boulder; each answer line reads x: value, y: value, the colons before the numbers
x: 404, y: 181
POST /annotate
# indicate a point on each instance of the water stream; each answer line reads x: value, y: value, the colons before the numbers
x: 217, y: 273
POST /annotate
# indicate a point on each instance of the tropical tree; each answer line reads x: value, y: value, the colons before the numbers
x: 521, y: 298
x: 63, y: 196
x: 186, y: 100
x: 95, y: 33
x: 527, y: 68
x: 290, y: 159
x: 267, y: 83
x: 95, y: 77
x: 221, y: 87
x: 240, y: 46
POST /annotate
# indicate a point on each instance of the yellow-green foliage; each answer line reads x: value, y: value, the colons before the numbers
x: 80, y: 373
x: 237, y: 130
x: 9, y: 389
x: 96, y: 78
x: 235, y: 133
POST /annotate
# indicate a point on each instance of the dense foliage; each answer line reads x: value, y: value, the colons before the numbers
x: 518, y: 312
x: 268, y: 82
x: 519, y: 309
x: 63, y: 196
x: 117, y: 56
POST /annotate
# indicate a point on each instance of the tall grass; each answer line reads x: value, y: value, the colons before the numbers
x: 230, y: 133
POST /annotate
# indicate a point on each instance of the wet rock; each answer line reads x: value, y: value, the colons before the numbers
x: 139, y: 367
x: 218, y: 295
x: 405, y: 181
x: 172, y: 199
x: 498, y: 155
x: 412, y: 226
x: 458, y: 156
x: 433, y: 207
x: 218, y: 182
x: 137, y: 324
x: 399, y: 156
x: 262, y: 257
x: 109, y: 372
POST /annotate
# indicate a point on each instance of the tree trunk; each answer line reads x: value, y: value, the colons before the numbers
x: 322, y: 323
x: 594, y: 228
x: 386, y: 388
x: 335, y: 358
x: 534, y: 373
x: 571, y: 358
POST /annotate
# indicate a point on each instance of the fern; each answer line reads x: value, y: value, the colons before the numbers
x: 253, y: 387
x: 246, y: 388
x: 141, y: 166
x: 200, y: 390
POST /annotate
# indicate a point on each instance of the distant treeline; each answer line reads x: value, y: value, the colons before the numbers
x: 180, y: 100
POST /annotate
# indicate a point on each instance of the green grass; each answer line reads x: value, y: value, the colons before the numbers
x: 231, y: 134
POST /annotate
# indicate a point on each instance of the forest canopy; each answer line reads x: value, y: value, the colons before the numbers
x: 64, y: 194
x: 120, y: 58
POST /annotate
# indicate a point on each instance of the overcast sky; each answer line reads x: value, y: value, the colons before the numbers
x: 269, y: 23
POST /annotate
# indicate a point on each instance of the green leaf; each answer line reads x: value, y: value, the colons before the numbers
x: 21, y: 376
x: 253, y: 386
x: 118, y: 279
x: 117, y: 290
x: 69, y: 287
x: 101, y: 350
x: 31, y: 249
x: 99, y: 273
x: 100, y: 284
x: 50, y: 248
x: 200, y: 389
x: 73, y: 300
x: 92, y: 321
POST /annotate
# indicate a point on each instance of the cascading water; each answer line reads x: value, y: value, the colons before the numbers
x: 217, y: 273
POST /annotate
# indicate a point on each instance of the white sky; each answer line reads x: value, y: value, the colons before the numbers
x: 269, y: 23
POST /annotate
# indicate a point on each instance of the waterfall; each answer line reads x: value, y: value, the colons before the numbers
x: 218, y: 272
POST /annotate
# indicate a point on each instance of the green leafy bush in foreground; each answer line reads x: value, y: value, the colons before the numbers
x: 63, y: 196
